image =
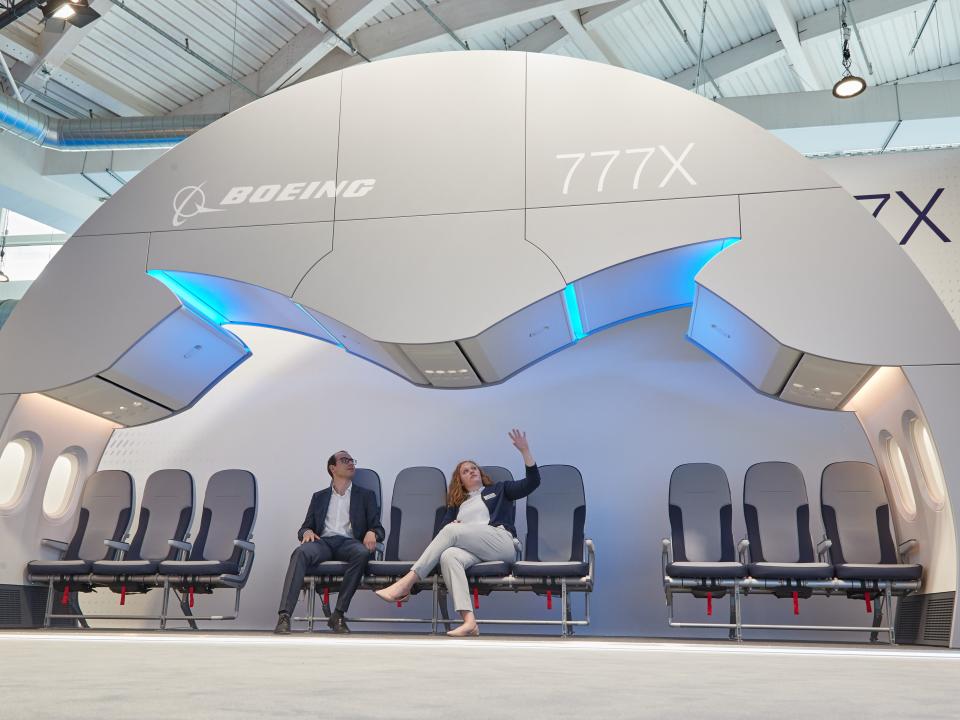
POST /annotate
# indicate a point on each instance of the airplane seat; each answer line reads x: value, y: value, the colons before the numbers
x: 701, y: 525
x: 556, y: 516
x: 222, y: 553
x: 495, y: 568
x: 106, y: 506
x: 416, y: 510
x: 856, y: 517
x: 777, y: 515
x: 331, y: 571
x: 166, y: 511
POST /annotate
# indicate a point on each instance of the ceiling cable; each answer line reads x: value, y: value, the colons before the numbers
x: 446, y: 28
x: 923, y: 26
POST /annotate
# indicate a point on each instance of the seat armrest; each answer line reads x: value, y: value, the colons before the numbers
x: 743, y: 550
x: 245, y: 545
x: 666, y: 554
x: 183, y: 548
x: 823, y: 548
x: 379, y: 551
x: 590, y: 550
x: 906, y: 547
x: 58, y: 545
x: 119, y: 548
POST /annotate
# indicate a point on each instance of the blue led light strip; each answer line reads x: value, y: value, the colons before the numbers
x: 189, y: 298
x: 573, y: 312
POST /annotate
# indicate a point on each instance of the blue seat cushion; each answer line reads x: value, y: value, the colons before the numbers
x: 198, y: 567
x: 389, y: 567
x: 855, y: 571
x: 126, y: 567
x: 707, y: 570
x: 59, y: 567
x: 529, y: 568
x: 791, y: 571
x: 494, y: 568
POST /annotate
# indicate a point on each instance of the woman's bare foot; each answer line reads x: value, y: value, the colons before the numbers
x: 465, y: 630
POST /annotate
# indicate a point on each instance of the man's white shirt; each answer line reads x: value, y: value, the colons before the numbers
x: 337, y: 521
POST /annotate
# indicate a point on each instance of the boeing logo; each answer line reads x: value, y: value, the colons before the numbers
x: 191, y: 200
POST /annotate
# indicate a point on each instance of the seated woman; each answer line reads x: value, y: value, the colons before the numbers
x: 476, y: 528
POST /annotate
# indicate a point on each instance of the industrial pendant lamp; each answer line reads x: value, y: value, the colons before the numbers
x: 75, y: 12
x: 849, y: 85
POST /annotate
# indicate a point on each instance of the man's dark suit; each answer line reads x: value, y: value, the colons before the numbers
x: 364, y: 517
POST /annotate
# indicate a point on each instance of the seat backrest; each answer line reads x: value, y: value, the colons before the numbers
x: 556, y: 515
x: 777, y: 513
x: 416, y: 509
x: 106, y: 507
x: 166, y: 513
x: 369, y: 480
x: 856, y: 514
x: 229, y: 512
x: 701, y: 514
x: 500, y: 474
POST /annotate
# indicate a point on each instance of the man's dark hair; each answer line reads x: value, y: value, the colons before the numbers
x: 330, y: 463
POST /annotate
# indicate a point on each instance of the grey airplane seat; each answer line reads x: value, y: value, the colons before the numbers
x: 701, y: 525
x: 166, y: 512
x: 103, y: 520
x: 332, y: 571
x: 777, y: 515
x: 856, y: 518
x: 495, y: 568
x: 417, y: 507
x: 222, y: 554
x: 556, y: 515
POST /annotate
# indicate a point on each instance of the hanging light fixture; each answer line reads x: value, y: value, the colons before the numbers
x: 75, y: 12
x: 849, y: 85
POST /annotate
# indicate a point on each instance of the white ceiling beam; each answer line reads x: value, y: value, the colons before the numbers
x: 546, y: 37
x: 302, y: 52
x: 786, y: 26
x: 572, y: 23
x: 464, y: 17
x: 57, y: 42
x: 766, y: 47
x: 99, y: 90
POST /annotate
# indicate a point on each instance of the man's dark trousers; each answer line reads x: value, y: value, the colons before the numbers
x: 308, y: 556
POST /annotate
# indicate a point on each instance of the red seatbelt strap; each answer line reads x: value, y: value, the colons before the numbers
x: 866, y: 598
x: 796, y: 603
x: 123, y: 594
x: 400, y: 603
x: 549, y: 600
x: 326, y: 596
x: 66, y: 595
x: 191, y: 596
x: 476, y: 598
x: 709, y: 603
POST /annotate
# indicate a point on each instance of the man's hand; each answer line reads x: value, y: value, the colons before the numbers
x: 370, y: 541
x: 309, y: 536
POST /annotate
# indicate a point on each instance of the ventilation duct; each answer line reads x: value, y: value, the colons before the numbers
x: 129, y: 133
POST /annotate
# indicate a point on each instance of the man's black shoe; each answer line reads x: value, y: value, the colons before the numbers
x: 337, y: 623
x: 283, y: 625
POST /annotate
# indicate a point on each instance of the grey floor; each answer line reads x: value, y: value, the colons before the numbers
x: 108, y: 675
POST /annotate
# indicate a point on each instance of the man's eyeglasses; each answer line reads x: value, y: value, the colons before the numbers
x: 347, y: 460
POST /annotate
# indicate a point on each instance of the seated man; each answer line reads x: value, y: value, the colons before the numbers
x: 342, y: 524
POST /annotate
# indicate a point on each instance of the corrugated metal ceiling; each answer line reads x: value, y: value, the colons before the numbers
x: 239, y: 36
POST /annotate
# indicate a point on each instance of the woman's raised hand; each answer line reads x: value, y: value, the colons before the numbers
x: 519, y: 439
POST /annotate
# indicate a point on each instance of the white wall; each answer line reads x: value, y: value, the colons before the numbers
x: 625, y: 406
x: 55, y: 427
